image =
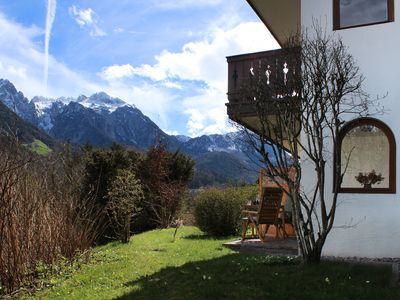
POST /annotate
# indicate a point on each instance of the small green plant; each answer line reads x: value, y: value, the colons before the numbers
x: 278, y: 260
x: 218, y: 211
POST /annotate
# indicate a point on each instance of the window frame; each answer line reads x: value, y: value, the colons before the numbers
x: 392, y: 156
x: 336, y: 16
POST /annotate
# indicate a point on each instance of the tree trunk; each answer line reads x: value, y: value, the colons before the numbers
x: 313, y: 257
x: 126, y: 233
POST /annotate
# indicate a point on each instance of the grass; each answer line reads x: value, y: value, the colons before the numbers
x: 195, y: 266
x: 39, y: 147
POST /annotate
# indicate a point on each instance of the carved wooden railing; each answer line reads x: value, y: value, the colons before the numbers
x: 279, y: 69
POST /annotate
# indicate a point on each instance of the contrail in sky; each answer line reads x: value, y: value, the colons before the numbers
x: 50, y: 16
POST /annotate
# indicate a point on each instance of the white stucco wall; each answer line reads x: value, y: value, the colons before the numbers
x: 367, y: 225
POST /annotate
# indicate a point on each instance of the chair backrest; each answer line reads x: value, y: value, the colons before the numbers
x: 270, y: 204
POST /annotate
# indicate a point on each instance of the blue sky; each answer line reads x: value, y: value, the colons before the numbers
x: 166, y: 57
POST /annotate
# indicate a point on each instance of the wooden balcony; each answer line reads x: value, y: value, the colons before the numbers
x: 277, y: 71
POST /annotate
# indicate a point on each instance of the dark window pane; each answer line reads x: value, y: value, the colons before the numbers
x: 360, y: 12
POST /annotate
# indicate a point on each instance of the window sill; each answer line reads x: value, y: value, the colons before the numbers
x: 367, y: 191
x: 362, y: 25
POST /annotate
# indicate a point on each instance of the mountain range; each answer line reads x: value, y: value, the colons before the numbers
x: 101, y: 120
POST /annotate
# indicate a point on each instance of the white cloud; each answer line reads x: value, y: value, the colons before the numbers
x: 205, y: 60
x: 114, y: 72
x: 97, y: 31
x: 174, y: 132
x: 87, y: 18
x: 189, y: 84
x: 154, y: 101
x: 82, y: 17
x: 22, y: 63
x: 151, y: 72
x: 206, y: 113
x: 14, y: 71
x: 117, y: 72
x: 202, y: 61
x: 183, y: 4
x: 50, y: 16
x: 173, y: 85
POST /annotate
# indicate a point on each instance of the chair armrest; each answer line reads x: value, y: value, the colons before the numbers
x: 249, y: 212
x: 250, y: 207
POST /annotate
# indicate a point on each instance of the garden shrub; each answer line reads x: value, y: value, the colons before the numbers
x: 218, y: 211
x: 124, y: 196
x: 164, y: 176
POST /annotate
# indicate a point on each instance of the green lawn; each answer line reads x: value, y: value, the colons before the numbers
x: 151, y: 266
x: 39, y: 147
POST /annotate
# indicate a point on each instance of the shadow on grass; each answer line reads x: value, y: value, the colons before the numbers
x: 238, y: 276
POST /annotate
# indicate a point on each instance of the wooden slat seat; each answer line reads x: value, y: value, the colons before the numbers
x: 269, y: 212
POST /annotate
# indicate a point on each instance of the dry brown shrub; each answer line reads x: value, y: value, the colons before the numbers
x: 41, y: 216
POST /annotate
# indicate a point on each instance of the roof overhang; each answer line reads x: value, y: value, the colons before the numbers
x: 282, y: 17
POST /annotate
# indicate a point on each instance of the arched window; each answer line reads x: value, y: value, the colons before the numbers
x: 367, y: 157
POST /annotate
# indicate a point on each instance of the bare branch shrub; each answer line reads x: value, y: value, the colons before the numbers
x: 300, y: 116
x: 41, y: 215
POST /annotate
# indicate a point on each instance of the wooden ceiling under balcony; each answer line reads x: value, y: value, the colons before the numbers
x: 282, y: 17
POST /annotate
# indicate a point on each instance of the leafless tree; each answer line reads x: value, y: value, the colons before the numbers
x: 300, y: 115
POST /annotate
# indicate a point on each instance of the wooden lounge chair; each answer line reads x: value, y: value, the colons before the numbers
x: 269, y: 212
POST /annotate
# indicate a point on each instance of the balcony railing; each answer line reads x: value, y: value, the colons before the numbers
x: 279, y: 69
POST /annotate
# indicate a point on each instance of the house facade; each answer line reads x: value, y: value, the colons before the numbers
x: 367, y: 221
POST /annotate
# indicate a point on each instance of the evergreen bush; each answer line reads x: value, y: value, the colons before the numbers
x: 218, y: 211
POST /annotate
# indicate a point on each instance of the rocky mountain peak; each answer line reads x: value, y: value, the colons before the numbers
x: 6, y: 85
x: 16, y: 101
x: 102, y: 119
x: 81, y: 98
x: 101, y: 102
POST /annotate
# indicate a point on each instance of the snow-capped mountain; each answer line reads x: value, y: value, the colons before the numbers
x: 183, y: 138
x: 230, y: 142
x: 16, y: 101
x: 101, y: 120
x: 13, y: 125
x: 48, y: 109
x: 101, y: 102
